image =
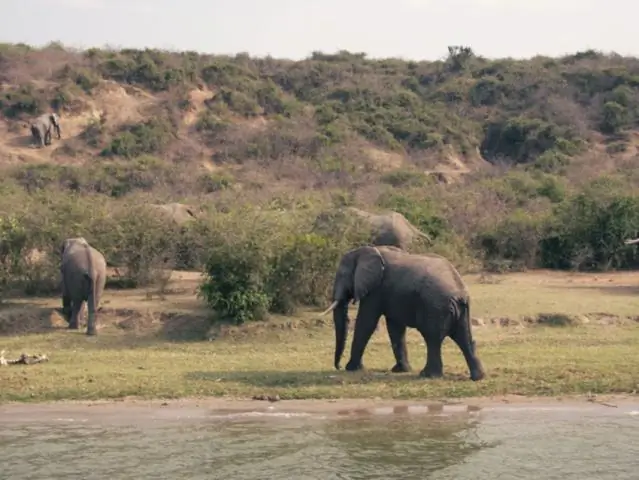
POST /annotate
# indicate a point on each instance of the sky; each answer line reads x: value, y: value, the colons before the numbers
x: 410, y: 29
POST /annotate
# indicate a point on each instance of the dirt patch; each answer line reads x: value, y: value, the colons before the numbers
x: 170, y: 325
x: 274, y: 325
x: 197, y: 99
x: 385, y: 161
x: 22, y: 320
x: 556, y: 320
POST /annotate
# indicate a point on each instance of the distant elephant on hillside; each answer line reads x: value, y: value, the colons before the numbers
x: 83, y: 270
x: 180, y: 213
x: 41, y: 128
x: 425, y: 292
x: 390, y: 228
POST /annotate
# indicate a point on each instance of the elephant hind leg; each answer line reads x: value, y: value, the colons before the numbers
x: 66, y: 307
x: 459, y: 335
x: 397, y: 334
x: 91, y: 303
x: 76, y: 312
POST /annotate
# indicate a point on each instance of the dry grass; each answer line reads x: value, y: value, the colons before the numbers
x: 138, y: 354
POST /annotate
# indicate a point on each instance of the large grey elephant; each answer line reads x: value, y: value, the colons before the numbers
x: 388, y: 228
x: 425, y: 292
x: 83, y: 270
x: 41, y: 128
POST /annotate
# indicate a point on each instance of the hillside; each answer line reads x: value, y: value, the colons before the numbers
x: 509, y: 163
x: 331, y: 116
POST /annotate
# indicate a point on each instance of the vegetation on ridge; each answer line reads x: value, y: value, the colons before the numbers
x: 507, y: 164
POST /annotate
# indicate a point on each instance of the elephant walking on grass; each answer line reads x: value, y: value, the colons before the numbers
x: 83, y: 270
x: 425, y: 292
x: 41, y: 128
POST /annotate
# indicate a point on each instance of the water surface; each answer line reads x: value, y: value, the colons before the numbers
x: 410, y: 442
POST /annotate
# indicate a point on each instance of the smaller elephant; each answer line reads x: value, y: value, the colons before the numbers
x: 180, y: 213
x: 390, y: 228
x: 41, y: 128
x: 83, y: 270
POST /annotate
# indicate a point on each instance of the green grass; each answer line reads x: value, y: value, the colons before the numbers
x: 294, y: 359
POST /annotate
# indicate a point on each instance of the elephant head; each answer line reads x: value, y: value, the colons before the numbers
x: 359, y: 272
x: 72, y: 241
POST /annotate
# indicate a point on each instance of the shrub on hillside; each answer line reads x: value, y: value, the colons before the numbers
x: 522, y: 140
x: 148, y: 137
x: 22, y: 100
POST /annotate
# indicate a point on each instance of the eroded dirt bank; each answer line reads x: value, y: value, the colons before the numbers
x: 203, y: 408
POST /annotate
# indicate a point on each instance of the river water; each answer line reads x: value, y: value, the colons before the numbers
x: 271, y: 441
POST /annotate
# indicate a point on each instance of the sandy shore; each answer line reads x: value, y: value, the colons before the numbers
x: 199, y: 408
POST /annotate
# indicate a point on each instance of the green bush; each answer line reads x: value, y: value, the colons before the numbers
x: 267, y: 262
x: 522, y: 139
x: 303, y: 272
x: 588, y: 230
x: 513, y: 243
x: 148, y: 137
x: 22, y: 100
x: 236, y: 288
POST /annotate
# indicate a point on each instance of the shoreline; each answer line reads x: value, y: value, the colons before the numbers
x: 315, y: 406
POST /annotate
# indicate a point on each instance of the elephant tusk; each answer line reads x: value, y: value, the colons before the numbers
x: 332, y: 307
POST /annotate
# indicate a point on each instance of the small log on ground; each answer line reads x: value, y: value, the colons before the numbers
x: 23, y: 359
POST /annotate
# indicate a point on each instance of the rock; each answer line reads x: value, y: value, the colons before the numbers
x: 477, y: 322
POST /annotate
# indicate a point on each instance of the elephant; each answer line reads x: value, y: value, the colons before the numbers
x: 389, y: 228
x: 83, y: 270
x: 425, y: 292
x: 41, y: 128
x: 180, y: 213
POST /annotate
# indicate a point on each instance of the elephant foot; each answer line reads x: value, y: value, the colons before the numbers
x: 73, y: 326
x: 477, y: 375
x: 352, y: 367
x: 92, y: 332
x: 401, y: 368
x: 430, y: 373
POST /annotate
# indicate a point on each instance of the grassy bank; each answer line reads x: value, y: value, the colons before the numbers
x: 596, y: 352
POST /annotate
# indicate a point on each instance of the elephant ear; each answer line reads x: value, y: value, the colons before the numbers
x: 64, y: 246
x: 368, y: 272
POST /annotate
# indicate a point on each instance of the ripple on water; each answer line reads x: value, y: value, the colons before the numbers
x: 385, y: 442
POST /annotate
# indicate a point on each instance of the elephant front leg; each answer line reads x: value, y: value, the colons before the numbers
x: 397, y: 334
x: 365, y: 324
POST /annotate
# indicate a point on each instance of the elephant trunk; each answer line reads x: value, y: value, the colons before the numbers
x: 340, y: 318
